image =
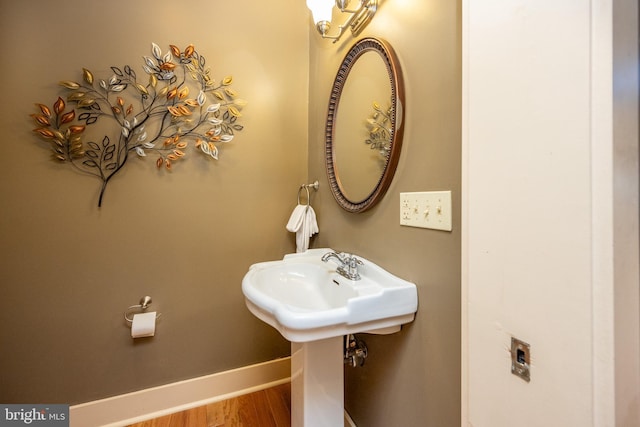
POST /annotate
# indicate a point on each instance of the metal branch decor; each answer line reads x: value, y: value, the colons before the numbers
x: 379, y: 129
x: 178, y: 103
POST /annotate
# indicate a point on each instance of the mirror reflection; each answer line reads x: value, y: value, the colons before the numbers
x: 364, y: 125
x: 357, y: 164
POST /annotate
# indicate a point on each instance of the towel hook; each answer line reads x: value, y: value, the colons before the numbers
x: 144, y: 304
x: 313, y: 185
x: 308, y: 195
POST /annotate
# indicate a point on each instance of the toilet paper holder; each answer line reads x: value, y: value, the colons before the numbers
x: 141, y: 308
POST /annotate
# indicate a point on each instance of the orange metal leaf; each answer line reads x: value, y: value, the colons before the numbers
x: 159, y: 162
x: 44, y: 132
x: 45, y: 110
x: 168, y: 66
x: 129, y: 109
x: 184, y: 92
x: 58, y: 106
x: 42, y: 120
x: 189, y: 51
x: 77, y: 129
x: 168, y: 164
x: 175, y: 50
x: 120, y: 101
x: 67, y: 117
x: 184, y: 110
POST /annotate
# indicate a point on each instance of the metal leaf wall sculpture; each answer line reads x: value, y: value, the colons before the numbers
x: 378, y: 127
x: 177, y: 104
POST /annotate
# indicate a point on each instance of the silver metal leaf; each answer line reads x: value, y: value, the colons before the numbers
x: 157, y: 52
x: 202, y: 98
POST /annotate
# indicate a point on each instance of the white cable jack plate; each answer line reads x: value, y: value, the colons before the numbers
x: 426, y: 209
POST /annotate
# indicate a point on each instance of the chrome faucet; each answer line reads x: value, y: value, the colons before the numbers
x: 348, y: 264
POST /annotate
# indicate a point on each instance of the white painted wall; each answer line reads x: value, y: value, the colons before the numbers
x: 548, y: 188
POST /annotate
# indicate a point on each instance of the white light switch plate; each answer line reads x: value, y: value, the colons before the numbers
x: 426, y: 209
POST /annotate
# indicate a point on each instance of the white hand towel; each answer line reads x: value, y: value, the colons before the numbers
x: 296, y: 219
x: 311, y: 221
x: 303, y: 223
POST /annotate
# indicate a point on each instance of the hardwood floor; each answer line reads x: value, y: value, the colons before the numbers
x: 264, y: 408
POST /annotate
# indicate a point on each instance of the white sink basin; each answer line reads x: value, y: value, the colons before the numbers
x: 305, y: 299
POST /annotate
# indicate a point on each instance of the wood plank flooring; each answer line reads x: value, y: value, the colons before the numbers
x: 264, y: 408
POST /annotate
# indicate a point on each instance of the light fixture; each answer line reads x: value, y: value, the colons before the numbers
x: 359, y: 18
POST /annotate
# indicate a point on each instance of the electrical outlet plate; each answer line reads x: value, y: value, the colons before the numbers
x: 426, y: 209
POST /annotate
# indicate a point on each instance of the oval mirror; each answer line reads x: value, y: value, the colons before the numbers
x: 364, y: 125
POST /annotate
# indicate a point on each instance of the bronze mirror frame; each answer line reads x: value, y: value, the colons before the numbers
x: 397, y: 129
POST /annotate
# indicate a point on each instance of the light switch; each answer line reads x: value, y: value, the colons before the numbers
x: 520, y: 359
x: 426, y: 209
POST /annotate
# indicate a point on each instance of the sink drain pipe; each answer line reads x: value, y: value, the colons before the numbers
x: 355, y: 351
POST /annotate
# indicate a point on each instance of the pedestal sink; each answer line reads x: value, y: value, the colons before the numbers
x: 313, y: 307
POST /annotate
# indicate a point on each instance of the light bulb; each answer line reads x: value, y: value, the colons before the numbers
x: 321, y: 9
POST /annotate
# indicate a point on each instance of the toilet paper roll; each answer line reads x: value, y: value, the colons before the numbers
x: 143, y: 325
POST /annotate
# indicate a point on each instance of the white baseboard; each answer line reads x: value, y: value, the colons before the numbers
x: 166, y: 399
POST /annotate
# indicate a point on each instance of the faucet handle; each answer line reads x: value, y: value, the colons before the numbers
x: 344, y: 256
x: 354, y: 262
x: 352, y: 265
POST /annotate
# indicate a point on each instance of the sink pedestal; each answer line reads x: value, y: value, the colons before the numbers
x: 317, y: 383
